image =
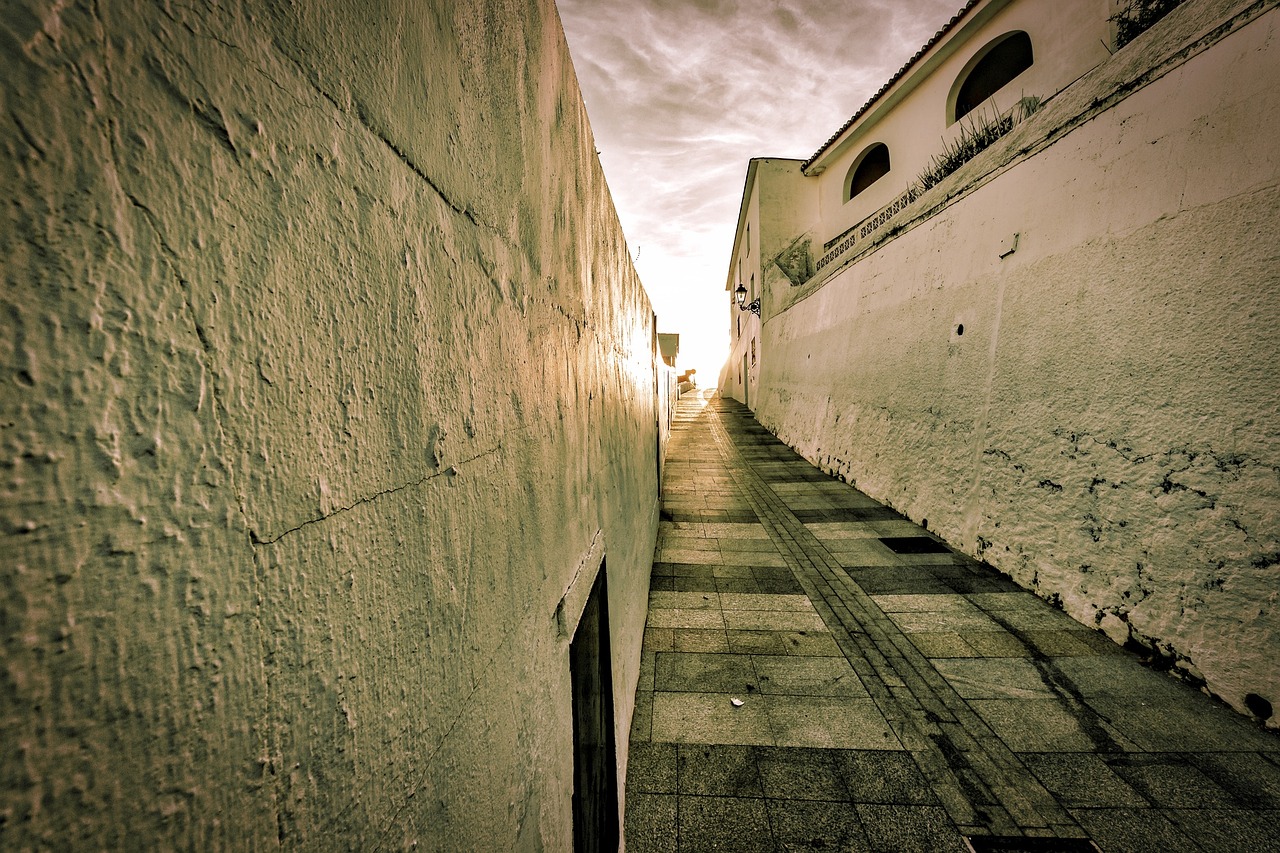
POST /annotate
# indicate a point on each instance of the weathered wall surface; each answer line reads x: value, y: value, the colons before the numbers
x: 326, y: 375
x: 1104, y: 428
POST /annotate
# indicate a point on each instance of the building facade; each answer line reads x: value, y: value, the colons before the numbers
x: 1025, y: 296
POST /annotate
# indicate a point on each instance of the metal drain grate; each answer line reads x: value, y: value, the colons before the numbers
x: 914, y: 545
x: 1028, y: 844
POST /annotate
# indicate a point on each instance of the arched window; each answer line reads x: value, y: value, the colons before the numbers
x: 871, y: 166
x: 988, y: 72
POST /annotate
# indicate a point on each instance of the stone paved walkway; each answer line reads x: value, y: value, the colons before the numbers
x: 819, y: 673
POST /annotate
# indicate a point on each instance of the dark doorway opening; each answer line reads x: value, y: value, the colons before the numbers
x: 595, y: 775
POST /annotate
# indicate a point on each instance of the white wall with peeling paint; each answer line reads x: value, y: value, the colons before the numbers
x: 1104, y: 428
x: 326, y: 376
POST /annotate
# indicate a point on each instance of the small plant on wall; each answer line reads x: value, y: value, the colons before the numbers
x: 976, y: 135
x: 1136, y: 16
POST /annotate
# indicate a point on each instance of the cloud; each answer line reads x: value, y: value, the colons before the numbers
x: 682, y: 93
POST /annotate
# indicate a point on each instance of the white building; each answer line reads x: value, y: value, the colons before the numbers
x: 1058, y: 353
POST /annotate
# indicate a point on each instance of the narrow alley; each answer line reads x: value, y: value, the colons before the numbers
x: 819, y: 673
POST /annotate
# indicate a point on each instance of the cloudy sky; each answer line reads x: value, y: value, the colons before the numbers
x: 682, y: 93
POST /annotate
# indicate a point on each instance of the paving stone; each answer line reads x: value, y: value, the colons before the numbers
x: 817, y: 827
x: 1082, y: 779
x: 1252, y: 781
x: 683, y: 601
x: 738, y: 585
x: 719, y: 770
x: 650, y: 823
x: 800, y: 603
x: 758, y: 642
x: 1133, y: 830
x: 828, y: 722
x: 996, y: 644
x: 658, y: 639
x: 686, y: 619
x: 724, y: 824
x: 699, y: 640
x: 651, y: 768
x: 773, y: 620
x: 910, y: 829
x: 934, y: 621
x: 1229, y: 830
x: 994, y: 678
x: 925, y: 603
x: 942, y: 644
x: 884, y: 777
x: 706, y: 583
x: 792, y: 773
x: 1039, y: 725
x: 1170, y: 781
x: 699, y: 672
x: 1196, y: 724
x: 710, y: 718
x: 806, y: 676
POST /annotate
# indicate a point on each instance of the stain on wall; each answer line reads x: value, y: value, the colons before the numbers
x: 324, y: 367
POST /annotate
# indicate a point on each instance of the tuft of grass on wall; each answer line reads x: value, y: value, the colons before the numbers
x: 1137, y: 16
x: 975, y: 136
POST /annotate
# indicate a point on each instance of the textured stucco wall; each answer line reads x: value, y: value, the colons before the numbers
x: 1105, y: 427
x: 326, y: 376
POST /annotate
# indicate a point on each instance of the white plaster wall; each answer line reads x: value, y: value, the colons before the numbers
x: 1105, y: 428
x: 326, y: 374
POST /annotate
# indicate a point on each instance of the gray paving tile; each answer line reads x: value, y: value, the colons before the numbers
x: 1230, y: 830
x: 695, y: 584
x: 1082, y: 779
x: 1041, y: 725
x: 952, y: 603
x: 942, y: 644
x: 910, y: 829
x: 1170, y: 781
x: 997, y: 644
x: 650, y: 823
x: 702, y: 672
x: 686, y: 619
x: 724, y: 824
x: 698, y: 640
x: 828, y: 722
x: 934, y: 621
x: 792, y: 773
x: 726, y: 571
x: 773, y: 620
x: 1253, y: 781
x: 806, y: 676
x: 763, y: 642
x: 651, y: 768
x: 710, y: 718
x: 1196, y: 724
x: 817, y: 827
x: 1087, y: 755
x: 884, y: 777
x: 683, y: 600
x: 1133, y: 831
x: 746, y: 601
x: 994, y: 678
x: 719, y: 770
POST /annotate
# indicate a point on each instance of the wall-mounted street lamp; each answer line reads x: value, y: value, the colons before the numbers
x: 740, y: 296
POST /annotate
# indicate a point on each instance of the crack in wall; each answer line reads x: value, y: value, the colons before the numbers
x: 362, y: 117
x: 451, y: 471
